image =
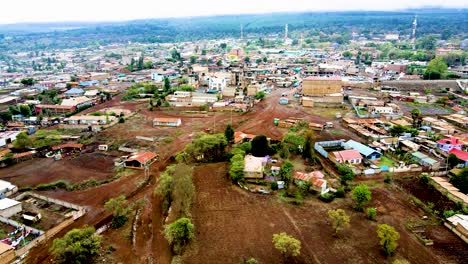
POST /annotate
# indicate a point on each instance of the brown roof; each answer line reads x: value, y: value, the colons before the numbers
x: 166, y: 119
x: 68, y: 145
x: 24, y: 154
x: 142, y: 157
x: 55, y: 106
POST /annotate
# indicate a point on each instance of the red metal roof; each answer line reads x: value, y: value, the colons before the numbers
x: 463, y: 155
x: 450, y: 140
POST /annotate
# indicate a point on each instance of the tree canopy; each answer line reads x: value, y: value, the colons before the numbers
x: 361, y: 195
x: 436, y: 69
x: 179, y: 233
x: 260, y: 146
x: 339, y: 218
x: 388, y: 238
x: 77, y: 246
x: 287, y: 245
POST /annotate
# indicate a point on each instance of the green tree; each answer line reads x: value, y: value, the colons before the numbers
x: 339, y: 218
x: 148, y: 65
x: 27, y: 81
x: 260, y: 95
x: 287, y: 245
x: 219, y: 63
x: 193, y: 59
x: 415, y: 115
x: 206, y: 148
x: 77, y: 246
x: 223, y: 46
x: 229, y: 133
x: 347, y: 54
x: 22, y: 141
x: 203, y: 52
x: 346, y: 173
x: 260, y: 146
x: 453, y: 160
x: 397, y: 130
x: 361, y: 195
x: 388, y: 238
x: 308, y: 152
x: 460, y: 180
x: 179, y: 233
x: 247, y: 60
x: 436, y: 69
x: 294, y: 142
x: 119, y: 211
x: 371, y: 213
x: 236, y: 169
x: 167, y: 84
x: 286, y: 172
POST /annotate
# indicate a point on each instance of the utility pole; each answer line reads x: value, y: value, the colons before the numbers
x: 413, y: 37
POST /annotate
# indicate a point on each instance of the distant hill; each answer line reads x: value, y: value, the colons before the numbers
x: 430, y: 21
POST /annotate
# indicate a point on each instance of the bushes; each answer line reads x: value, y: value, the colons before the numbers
x: 274, y: 185
x: 236, y: 169
x: 449, y: 213
x: 371, y: 214
x: 179, y: 234
x: 340, y: 193
x: 327, y: 197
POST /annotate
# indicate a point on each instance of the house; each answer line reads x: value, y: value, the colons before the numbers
x: 54, y: 109
x: 450, y: 143
x: 377, y: 110
x: 167, y: 121
x: 409, y: 146
x: 141, y: 160
x: 74, y: 92
x: 254, y: 167
x: 9, y: 207
x: 425, y: 161
x: 78, y: 102
x: 68, y: 147
x: 315, y: 178
x: 91, y: 93
x: 366, y: 151
x: 347, y: 156
x: 461, y: 155
x: 7, y: 137
x: 7, y: 189
x: 389, y: 142
x: 240, y: 137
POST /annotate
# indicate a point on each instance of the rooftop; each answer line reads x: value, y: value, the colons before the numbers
x: 6, y: 203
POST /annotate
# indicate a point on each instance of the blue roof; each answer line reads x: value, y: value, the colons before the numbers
x: 75, y: 91
x: 361, y: 148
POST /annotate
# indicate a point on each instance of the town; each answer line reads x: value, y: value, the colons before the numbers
x: 287, y: 147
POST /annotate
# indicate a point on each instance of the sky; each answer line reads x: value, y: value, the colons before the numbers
x: 18, y: 11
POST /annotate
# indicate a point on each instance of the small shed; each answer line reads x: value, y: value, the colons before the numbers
x: 140, y: 160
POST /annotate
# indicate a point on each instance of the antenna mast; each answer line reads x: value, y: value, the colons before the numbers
x: 413, y: 37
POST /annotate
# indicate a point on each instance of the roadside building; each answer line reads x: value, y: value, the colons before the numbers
x: 320, y: 86
x: 167, y: 121
x: 7, y: 189
x: 74, y: 92
x: 7, y: 137
x: 90, y: 120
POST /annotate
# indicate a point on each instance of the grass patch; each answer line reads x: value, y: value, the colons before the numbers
x: 384, y: 161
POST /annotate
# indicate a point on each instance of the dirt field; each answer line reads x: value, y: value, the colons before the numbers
x: 84, y: 167
x: 232, y: 225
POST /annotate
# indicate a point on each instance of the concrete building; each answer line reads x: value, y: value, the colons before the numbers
x: 9, y: 207
x: 347, y: 156
x: 7, y: 137
x: 7, y: 189
x: 167, y: 121
x: 320, y: 86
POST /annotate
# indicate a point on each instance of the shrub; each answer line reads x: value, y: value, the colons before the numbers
x: 287, y: 245
x: 339, y: 219
x: 340, y: 193
x: 388, y: 237
x: 371, y: 213
x: 326, y: 197
x: 121, y: 120
x: 274, y: 185
x: 77, y: 246
x: 179, y: 233
x: 361, y: 196
x: 449, y: 213
x: 388, y: 178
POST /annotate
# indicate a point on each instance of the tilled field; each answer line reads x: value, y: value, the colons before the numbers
x: 233, y: 225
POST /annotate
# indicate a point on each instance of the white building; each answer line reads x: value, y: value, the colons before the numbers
x: 9, y: 207
x: 7, y: 137
x: 6, y: 189
x: 217, y: 84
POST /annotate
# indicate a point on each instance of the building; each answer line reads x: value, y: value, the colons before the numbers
x: 217, y: 84
x: 378, y: 110
x: 425, y: 161
x: 7, y: 253
x: 7, y: 137
x: 9, y: 207
x: 167, y: 121
x: 7, y: 189
x: 366, y: 151
x: 450, y: 143
x: 78, y: 102
x: 459, y: 225
x: 74, y: 92
x: 54, y: 109
x: 318, y: 86
x: 141, y: 160
x: 347, y: 156
x: 315, y: 178
x: 461, y: 155
x: 90, y: 120
x: 254, y: 167
x: 240, y: 137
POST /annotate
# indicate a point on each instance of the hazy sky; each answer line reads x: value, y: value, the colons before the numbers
x: 13, y: 11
